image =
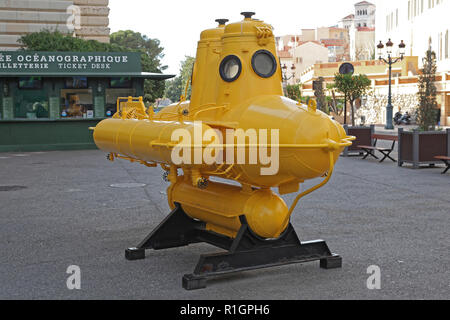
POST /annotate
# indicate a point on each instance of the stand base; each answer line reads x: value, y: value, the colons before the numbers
x: 245, y: 252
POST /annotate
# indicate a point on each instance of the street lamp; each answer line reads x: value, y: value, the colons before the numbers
x: 390, y: 61
x: 285, y: 77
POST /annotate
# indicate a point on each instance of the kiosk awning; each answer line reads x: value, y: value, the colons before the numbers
x: 145, y: 75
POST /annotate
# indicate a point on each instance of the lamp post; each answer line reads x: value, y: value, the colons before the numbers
x: 390, y: 61
x: 285, y: 77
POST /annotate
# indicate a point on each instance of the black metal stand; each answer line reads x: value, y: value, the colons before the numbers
x: 245, y: 252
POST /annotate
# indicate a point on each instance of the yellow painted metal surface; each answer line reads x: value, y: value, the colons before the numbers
x: 309, y: 142
x: 220, y: 205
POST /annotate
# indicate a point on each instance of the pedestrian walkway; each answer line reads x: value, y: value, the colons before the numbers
x: 64, y: 208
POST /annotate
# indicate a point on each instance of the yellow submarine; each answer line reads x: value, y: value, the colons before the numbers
x: 236, y: 87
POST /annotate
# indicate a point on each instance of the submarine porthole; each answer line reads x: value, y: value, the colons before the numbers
x: 230, y: 68
x: 264, y: 63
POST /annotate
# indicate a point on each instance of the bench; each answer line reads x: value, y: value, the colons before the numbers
x: 446, y: 161
x: 370, y: 150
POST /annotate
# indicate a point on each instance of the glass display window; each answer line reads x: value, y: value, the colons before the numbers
x: 120, y: 82
x: 76, y: 83
x: 31, y: 103
x: 111, y: 99
x: 77, y: 103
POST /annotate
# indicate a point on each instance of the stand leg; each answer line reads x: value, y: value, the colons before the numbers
x: 176, y: 230
x: 253, y: 253
x: 192, y: 282
x: 333, y: 262
x: 134, y: 254
x: 246, y: 251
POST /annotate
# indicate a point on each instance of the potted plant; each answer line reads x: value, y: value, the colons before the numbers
x: 422, y: 145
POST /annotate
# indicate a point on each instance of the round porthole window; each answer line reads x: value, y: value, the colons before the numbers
x: 264, y: 63
x: 230, y: 68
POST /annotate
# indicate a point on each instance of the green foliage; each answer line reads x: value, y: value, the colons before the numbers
x: 121, y: 41
x: 173, y: 89
x: 176, y: 87
x: 353, y: 87
x: 320, y: 96
x: 151, y: 55
x: 426, y: 113
x: 293, y: 92
x: 47, y: 40
x: 187, y: 67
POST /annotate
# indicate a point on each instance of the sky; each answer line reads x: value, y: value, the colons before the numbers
x: 178, y: 23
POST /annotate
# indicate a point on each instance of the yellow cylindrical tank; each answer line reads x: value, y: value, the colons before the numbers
x: 266, y: 212
x: 296, y: 125
x: 144, y: 139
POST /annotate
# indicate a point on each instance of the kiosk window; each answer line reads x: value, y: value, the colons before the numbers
x: 76, y: 83
x: 122, y: 82
x: 31, y: 104
x: 30, y: 83
x: 111, y: 98
x: 77, y: 103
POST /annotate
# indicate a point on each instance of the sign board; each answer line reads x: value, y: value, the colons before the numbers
x: 346, y: 68
x: 317, y: 85
x: 64, y: 63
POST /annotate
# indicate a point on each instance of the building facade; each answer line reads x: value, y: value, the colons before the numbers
x: 336, y: 40
x: 405, y: 76
x: 365, y: 13
x: 362, y: 43
x: 363, y: 17
x: 347, y: 22
x: 416, y: 22
x: 420, y: 23
x: 87, y: 19
x: 307, y: 54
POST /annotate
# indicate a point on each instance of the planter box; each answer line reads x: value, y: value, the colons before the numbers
x: 363, y: 137
x: 420, y: 148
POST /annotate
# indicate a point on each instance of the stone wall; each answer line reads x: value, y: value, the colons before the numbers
x: 373, y: 107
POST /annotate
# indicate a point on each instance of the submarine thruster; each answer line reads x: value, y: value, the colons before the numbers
x: 225, y: 153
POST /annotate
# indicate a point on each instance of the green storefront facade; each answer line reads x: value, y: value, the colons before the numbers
x: 48, y: 100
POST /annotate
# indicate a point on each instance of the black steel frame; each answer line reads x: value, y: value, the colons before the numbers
x: 385, y: 151
x: 245, y: 252
x: 447, y: 163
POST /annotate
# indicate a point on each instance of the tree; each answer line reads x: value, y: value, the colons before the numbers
x: 353, y: 88
x: 47, y: 40
x: 333, y: 106
x: 320, y: 94
x: 152, y: 53
x: 121, y: 41
x: 293, y: 92
x: 173, y: 89
x: 426, y: 113
x: 176, y: 87
x: 187, y: 67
